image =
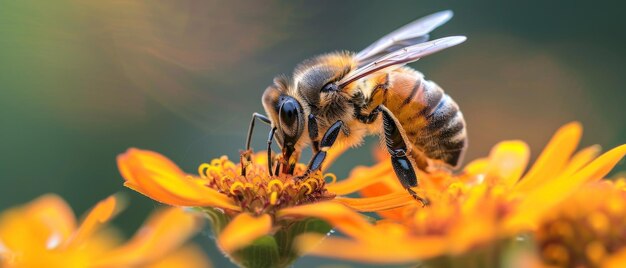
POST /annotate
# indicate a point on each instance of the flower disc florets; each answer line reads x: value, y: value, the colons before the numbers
x: 259, y: 192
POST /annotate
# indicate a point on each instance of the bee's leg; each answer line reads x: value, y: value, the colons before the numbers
x: 398, y: 149
x: 370, y: 118
x: 313, y: 132
x: 269, y: 151
x: 327, y: 141
x: 255, y: 116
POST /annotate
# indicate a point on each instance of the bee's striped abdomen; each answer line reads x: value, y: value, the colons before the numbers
x: 431, y: 119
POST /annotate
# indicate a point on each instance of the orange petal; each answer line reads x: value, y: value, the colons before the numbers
x: 617, y: 260
x: 338, y: 215
x: 190, y: 256
x: 243, y: 230
x: 554, y: 156
x: 553, y: 191
x: 99, y: 215
x: 42, y: 224
x: 52, y: 211
x: 162, y: 233
x: 380, y: 251
x: 360, y: 178
x: 159, y: 178
x: 332, y: 154
x: 507, y: 161
x: 378, y: 203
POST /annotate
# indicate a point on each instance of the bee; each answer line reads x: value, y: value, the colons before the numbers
x: 341, y: 97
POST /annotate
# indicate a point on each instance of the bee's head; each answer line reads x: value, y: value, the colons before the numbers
x: 290, y: 123
x: 286, y: 114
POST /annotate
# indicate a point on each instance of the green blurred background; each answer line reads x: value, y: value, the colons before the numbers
x: 82, y: 81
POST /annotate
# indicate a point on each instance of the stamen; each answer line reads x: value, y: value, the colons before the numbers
x: 248, y: 185
x: 273, y: 182
x: 236, y: 185
x: 333, y: 178
x: 203, y: 170
x: 273, y: 198
x: 311, y: 181
x: 258, y: 192
x: 309, y: 188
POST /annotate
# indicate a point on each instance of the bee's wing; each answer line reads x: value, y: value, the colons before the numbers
x: 401, y: 57
x: 413, y: 33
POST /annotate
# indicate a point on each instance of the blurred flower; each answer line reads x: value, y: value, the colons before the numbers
x: 588, y: 229
x: 490, y: 201
x: 44, y: 233
x: 255, y: 215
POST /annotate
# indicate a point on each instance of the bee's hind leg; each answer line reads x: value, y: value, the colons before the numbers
x: 397, y: 147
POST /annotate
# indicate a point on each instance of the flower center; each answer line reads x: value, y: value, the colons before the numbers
x: 588, y: 228
x: 259, y: 192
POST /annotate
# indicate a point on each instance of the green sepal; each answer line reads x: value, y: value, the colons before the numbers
x: 262, y: 253
x: 275, y: 250
x: 292, y: 229
x: 217, y: 217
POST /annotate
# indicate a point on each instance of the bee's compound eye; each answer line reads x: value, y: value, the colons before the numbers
x: 291, y: 119
x: 288, y: 113
x: 330, y: 87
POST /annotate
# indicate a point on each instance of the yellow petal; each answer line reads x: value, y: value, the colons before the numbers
x: 507, y: 161
x: 338, y: 215
x: 554, y: 156
x: 99, y: 215
x: 580, y: 159
x: 380, y: 251
x: 553, y: 191
x: 602, y: 165
x: 159, y: 178
x: 477, y: 167
x: 162, y: 233
x: 243, y: 230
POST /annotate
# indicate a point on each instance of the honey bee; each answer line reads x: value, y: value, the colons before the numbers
x: 345, y: 96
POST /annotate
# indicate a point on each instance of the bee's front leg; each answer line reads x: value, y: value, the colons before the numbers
x: 327, y: 141
x: 313, y: 132
x: 397, y: 147
x: 247, y: 154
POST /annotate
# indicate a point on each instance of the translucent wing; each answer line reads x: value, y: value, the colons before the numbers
x: 413, y: 33
x: 402, y: 56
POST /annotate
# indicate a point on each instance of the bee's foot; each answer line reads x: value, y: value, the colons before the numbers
x: 425, y: 202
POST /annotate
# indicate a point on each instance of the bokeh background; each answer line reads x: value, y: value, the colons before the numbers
x: 82, y: 81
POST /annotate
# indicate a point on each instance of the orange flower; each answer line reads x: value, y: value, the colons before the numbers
x: 246, y: 210
x: 492, y: 199
x: 44, y: 233
x: 588, y: 229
